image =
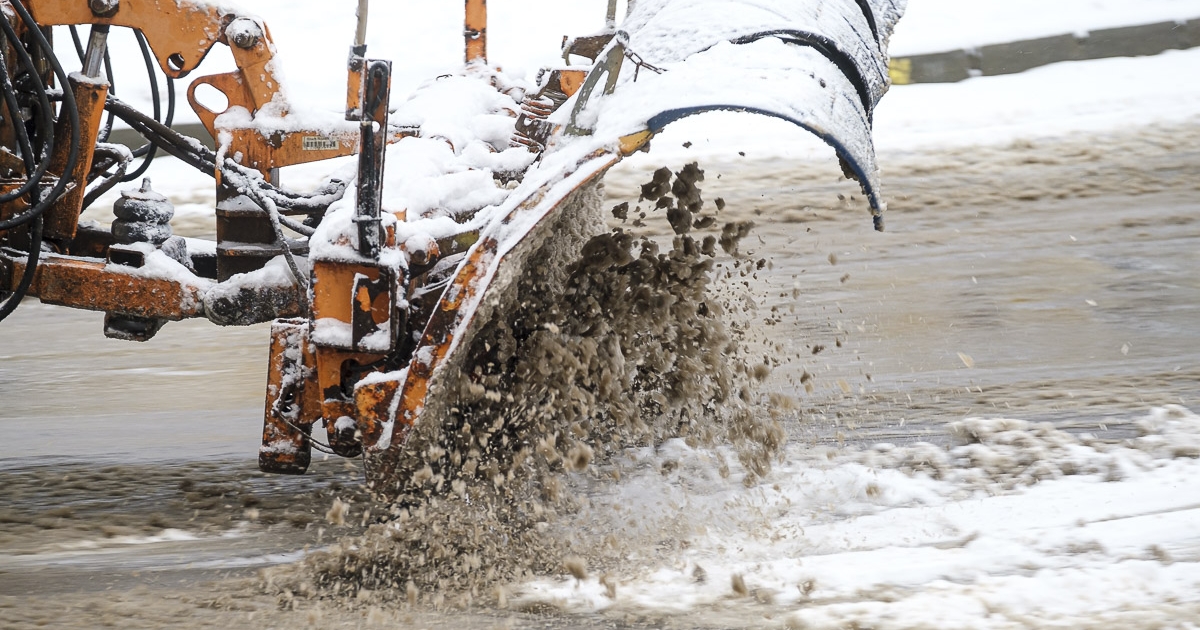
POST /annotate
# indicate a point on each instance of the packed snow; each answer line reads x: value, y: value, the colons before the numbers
x: 1012, y: 522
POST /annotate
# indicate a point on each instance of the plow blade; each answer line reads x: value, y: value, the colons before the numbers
x: 821, y: 66
x: 390, y: 410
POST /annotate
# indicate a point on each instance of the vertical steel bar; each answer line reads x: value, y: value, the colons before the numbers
x: 356, y: 66
x: 360, y: 35
x: 371, y: 153
x: 93, y: 61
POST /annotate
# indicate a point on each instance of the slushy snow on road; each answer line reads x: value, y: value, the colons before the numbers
x: 1010, y: 522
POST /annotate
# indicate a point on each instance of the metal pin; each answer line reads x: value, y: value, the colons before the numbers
x: 360, y: 36
x: 93, y: 61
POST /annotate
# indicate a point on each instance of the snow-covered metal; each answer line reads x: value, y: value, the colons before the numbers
x: 820, y: 65
x: 380, y: 291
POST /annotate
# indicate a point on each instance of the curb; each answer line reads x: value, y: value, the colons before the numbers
x: 1013, y: 57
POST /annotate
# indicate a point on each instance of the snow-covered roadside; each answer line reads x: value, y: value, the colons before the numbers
x: 1014, y: 524
x: 1063, y: 99
x: 942, y: 25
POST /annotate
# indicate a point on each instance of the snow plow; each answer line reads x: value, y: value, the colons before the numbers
x: 378, y: 279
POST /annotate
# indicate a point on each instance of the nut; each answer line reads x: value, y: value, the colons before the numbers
x: 104, y: 8
x: 244, y: 33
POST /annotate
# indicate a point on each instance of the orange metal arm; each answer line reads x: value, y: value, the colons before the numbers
x: 181, y: 32
x: 475, y: 30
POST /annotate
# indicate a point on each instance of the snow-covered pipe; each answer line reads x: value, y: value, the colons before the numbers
x: 360, y: 36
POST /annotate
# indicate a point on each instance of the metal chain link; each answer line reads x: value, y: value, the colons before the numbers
x: 638, y: 62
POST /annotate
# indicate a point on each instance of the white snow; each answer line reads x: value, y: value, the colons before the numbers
x: 423, y: 39
x: 944, y: 25
x: 445, y: 174
x: 666, y: 31
x: 275, y: 274
x: 165, y: 536
x: 1015, y: 522
x: 332, y: 332
x: 157, y: 265
x: 1057, y: 100
x: 344, y: 423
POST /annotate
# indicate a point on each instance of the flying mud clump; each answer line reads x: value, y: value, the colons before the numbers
x: 606, y: 341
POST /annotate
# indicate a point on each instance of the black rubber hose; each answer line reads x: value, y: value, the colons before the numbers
x: 78, y: 43
x: 145, y: 165
x: 122, y: 165
x: 155, y: 99
x: 69, y: 105
x: 34, y: 176
x: 189, y: 151
x: 22, y: 289
x: 68, y: 101
x: 34, y: 214
x: 10, y: 100
x: 106, y: 131
x: 204, y: 159
x: 10, y: 304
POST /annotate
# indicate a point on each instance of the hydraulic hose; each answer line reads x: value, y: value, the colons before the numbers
x: 33, y: 216
x: 69, y: 106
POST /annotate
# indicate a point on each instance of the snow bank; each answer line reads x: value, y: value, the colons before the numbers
x: 1012, y: 521
x: 943, y: 25
x: 1056, y: 100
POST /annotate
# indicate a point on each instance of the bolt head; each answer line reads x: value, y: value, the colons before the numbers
x: 243, y: 33
x: 104, y: 8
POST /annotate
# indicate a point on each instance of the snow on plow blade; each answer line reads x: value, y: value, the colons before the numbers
x: 820, y: 65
